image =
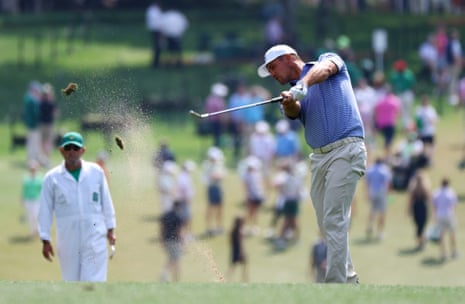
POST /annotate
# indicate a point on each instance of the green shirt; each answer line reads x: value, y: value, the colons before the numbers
x: 402, y: 82
x: 75, y: 173
x: 32, y: 185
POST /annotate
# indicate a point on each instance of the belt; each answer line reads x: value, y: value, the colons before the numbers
x: 336, y: 144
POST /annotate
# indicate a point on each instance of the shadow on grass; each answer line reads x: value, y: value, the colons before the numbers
x: 366, y: 241
x: 21, y: 239
x: 409, y: 251
x: 432, y: 262
x: 150, y: 218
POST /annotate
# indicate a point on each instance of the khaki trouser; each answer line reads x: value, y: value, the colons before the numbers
x: 334, y: 179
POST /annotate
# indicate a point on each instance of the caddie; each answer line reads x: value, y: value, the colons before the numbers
x: 76, y: 193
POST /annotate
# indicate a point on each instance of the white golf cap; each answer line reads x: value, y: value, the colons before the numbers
x: 273, y: 53
x: 219, y: 89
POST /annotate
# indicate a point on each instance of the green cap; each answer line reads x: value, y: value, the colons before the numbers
x: 72, y: 138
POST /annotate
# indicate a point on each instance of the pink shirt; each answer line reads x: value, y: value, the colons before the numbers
x: 214, y: 103
x: 386, y: 111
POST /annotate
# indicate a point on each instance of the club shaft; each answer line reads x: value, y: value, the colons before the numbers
x: 272, y: 100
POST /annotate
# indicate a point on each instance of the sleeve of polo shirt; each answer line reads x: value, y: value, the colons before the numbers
x: 335, y: 58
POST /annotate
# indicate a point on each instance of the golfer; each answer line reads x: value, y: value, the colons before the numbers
x: 76, y: 192
x: 321, y: 97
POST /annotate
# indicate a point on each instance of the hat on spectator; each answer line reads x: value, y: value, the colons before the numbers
x: 219, y: 89
x: 282, y: 126
x: 262, y: 127
x: 273, y: 53
x: 215, y: 154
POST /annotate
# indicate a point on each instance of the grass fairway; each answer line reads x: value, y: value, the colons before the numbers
x: 389, y: 271
x: 210, y: 293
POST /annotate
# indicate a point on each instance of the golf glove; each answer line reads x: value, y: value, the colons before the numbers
x: 299, y: 91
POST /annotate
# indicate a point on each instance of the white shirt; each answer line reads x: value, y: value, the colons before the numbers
x: 174, y: 24
x: 153, y: 18
x: 185, y: 187
x: 167, y: 187
x: 428, y: 53
x: 366, y: 101
x: 428, y: 116
x: 263, y: 146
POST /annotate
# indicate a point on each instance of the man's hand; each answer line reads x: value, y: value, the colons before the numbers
x: 47, y: 250
x: 299, y: 91
x: 290, y: 105
x: 111, y: 237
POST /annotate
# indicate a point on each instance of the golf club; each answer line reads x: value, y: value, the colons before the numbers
x: 205, y: 115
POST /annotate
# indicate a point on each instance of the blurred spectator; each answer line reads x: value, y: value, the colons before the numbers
x: 274, y: 31
x: 402, y: 81
x: 292, y: 190
x: 163, y: 154
x: 287, y: 142
x: 153, y: 20
x: 344, y: 48
x: 426, y: 120
x: 30, y: 196
x: 278, y: 181
x: 454, y: 56
x: 366, y: 101
x: 440, y: 41
x: 318, y: 260
x: 216, y: 102
x: 48, y: 111
x: 444, y: 203
x: 461, y: 90
x: 262, y: 145
x: 441, y: 86
x: 429, y: 58
x: 171, y: 224
x: 419, y: 195
x: 238, y: 256
x: 379, y: 85
x: 408, y: 158
x: 240, y: 97
x: 174, y: 25
x: 167, y: 186
x: 254, y: 114
x: 214, y: 171
x: 102, y: 158
x: 254, y: 186
x: 378, y: 180
x: 386, y: 112
x: 31, y: 117
x: 185, y: 195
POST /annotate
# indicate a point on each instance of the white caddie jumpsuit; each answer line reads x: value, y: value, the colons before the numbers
x: 84, y: 212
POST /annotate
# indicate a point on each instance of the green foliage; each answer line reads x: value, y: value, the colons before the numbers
x: 112, y: 49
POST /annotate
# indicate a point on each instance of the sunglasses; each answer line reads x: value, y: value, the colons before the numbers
x: 71, y: 147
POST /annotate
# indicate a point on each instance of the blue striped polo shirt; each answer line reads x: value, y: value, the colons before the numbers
x: 329, y: 112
